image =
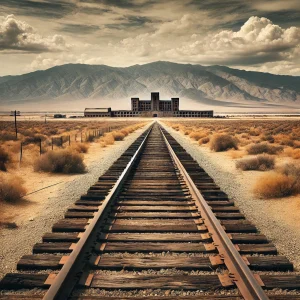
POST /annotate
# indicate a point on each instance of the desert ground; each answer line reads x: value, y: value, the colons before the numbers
x: 256, y: 162
x: 40, y: 197
x: 45, y: 192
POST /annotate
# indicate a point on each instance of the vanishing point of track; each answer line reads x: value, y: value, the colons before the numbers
x: 155, y: 221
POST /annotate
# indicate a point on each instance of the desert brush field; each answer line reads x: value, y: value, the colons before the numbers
x: 257, y: 163
x: 271, y: 147
x: 43, y: 152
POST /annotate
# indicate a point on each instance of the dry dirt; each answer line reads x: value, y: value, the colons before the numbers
x: 278, y: 219
x: 51, y: 195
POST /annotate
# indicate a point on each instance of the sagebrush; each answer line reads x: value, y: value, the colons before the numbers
x: 11, y: 188
x: 260, y: 163
x: 223, y: 142
x: 60, y: 161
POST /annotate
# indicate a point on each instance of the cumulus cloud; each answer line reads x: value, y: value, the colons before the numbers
x: 18, y: 35
x: 45, y: 61
x: 257, y: 41
x: 282, y: 68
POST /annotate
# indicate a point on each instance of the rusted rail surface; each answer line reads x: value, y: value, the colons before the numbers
x: 154, y: 209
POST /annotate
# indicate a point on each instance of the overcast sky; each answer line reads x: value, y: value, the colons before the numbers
x: 261, y: 35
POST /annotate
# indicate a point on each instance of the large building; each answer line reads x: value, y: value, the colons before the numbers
x: 150, y: 108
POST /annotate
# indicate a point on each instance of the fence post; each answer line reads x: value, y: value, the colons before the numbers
x: 40, y: 146
x: 21, y: 151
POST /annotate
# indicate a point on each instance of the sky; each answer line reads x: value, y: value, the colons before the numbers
x: 256, y: 35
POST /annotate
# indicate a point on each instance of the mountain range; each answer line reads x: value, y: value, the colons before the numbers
x: 206, y: 85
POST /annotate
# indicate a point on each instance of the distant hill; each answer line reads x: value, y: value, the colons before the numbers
x: 213, y: 85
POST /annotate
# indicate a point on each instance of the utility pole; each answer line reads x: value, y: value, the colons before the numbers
x: 15, y: 113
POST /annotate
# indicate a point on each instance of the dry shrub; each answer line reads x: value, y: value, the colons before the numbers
x: 118, y: 135
x: 294, y: 153
x: 254, y: 131
x: 80, y: 147
x: 291, y: 170
x: 264, y: 148
x: 125, y: 132
x: 223, y: 142
x: 259, y: 163
x: 285, y: 182
x: 7, y: 136
x: 4, y: 159
x: 60, y: 161
x: 268, y: 138
x: 107, y: 139
x: 275, y: 185
x: 34, y: 139
x: 11, y: 188
x: 245, y: 136
x: 197, y: 135
x: 203, y: 141
x: 287, y: 142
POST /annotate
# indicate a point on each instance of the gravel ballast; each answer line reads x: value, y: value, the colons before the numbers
x: 18, y: 242
x: 234, y: 183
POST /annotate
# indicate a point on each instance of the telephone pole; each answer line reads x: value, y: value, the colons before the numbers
x: 15, y: 113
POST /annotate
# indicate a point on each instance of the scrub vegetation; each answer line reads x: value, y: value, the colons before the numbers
x: 270, y: 146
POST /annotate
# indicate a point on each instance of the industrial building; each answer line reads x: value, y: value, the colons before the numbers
x: 150, y: 108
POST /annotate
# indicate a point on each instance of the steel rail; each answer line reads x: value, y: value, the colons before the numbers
x: 240, y: 273
x: 69, y: 275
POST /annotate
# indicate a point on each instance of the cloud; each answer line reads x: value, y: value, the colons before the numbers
x: 276, y: 5
x: 79, y: 28
x: 40, y: 8
x: 256, y: 42
x: 46, y: 61
x: 283, y: 68
x: 18, y: 35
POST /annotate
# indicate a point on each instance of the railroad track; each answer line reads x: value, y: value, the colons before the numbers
x: 155, y: 225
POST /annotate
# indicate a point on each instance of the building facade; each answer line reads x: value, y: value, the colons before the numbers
x: 155, y: 104
x: 97, y: 112
x: 150, y: 108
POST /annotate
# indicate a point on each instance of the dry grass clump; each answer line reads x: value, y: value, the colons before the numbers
x: 259, y: 163
x: 223, y: 142
x: 269, y: 138
x: 34, y: 139
x: 197, y: 135
x: 294, y: 153
x: 204, y: 140
x: 60, y: 161
x: 4, y: 159
x: 254, y: 131
x: 285, y: 182
x: 11, y: 188
x: 124, y: 132
x: 7, y: 136
x: 80, y: 147
x: 264, y: 148
x: 118, y: 135
x: 275, y: 185
x: 107, y: 139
